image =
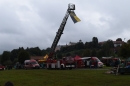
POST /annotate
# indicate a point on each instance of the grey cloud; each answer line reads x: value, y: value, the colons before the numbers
x: 35, y: 23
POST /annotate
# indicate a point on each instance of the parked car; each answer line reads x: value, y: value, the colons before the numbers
x: 31, y: 64
x: 2, y: 67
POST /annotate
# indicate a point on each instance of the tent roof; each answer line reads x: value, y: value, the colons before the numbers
x: 77, y: 57
x: 84, y: 58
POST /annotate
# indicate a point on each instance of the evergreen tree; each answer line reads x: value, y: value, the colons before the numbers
x: 5, y: 57
x: 22, y: 56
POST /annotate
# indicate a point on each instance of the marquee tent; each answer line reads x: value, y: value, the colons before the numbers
x: 77, y: 58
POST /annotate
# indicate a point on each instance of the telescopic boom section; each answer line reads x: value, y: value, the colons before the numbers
x: 60, y: 30
x: 58, y: 35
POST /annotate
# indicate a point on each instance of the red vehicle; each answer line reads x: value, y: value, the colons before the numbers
x: 31, y: 64
x: 92, y: 62
x: 64, y: 63
x: 67, y: 62
x: 2, y: 67
x: 54, y: 63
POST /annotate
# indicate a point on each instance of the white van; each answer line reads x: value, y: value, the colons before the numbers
x: 99, y: 64
x: 31, y: 64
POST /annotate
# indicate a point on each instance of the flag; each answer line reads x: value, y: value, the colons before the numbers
x: 74, y: 17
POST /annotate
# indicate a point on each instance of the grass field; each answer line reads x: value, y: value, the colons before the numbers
x: 43, y: 77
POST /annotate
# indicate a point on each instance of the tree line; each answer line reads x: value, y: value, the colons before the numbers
x: 96, y: 49
x: 20, y: 54
x: 88, y: 49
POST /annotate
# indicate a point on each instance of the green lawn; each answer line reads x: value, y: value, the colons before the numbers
x: 43, y: 77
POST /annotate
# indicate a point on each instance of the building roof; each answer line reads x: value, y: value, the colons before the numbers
x: 114, y: 42
x: 36, y: 57
x: 72, y: 43
x: 118, y: 42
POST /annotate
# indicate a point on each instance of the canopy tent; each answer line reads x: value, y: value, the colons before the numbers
x: 78, y: 62
x: 77, y: 58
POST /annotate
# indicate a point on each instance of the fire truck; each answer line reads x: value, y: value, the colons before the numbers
x: 68, y: 62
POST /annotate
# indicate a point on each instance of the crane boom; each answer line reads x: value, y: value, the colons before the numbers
x: 70, y: 12
x: 52, y: 63
x: 58, y: 34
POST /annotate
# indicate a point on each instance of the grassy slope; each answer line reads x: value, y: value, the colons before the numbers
x: 62, y: 78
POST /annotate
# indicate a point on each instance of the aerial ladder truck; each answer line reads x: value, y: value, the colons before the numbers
x: 51, y: 62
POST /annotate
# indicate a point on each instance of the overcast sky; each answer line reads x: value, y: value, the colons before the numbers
x: 34, y: 23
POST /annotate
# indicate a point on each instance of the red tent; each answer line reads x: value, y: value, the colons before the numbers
x: 77, y: 58
x: 78, y: 61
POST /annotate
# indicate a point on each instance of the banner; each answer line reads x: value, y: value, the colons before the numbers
x: 74, y: 17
